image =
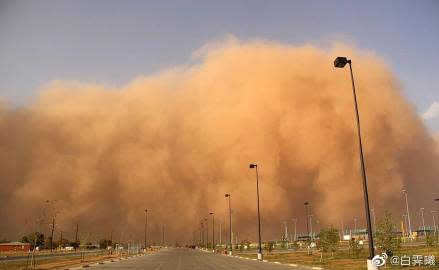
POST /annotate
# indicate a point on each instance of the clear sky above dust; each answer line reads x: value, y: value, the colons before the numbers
x: 111, y: 42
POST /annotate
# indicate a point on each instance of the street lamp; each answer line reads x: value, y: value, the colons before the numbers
x: 433, y: 213
x: 340, y: 62
x: 163, y: 235
x: 228, y: 195
x: 255, y: 166
x: 423, y: 221
x: 213, y: 230
x: 405, y: 224
x: 207, y: 232
x: 286, y: 230
x: 408, y: 212
x: 146, y: 226
x: 310, y: 227
x: 374, y: 219
x: 295, y: 228
x: 355, y: 225
x: 202, y: 233
x: 307, y: 218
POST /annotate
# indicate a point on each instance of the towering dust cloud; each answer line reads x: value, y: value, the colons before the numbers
x: 175, y: 142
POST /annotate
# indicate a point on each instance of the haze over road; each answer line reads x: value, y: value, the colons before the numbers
x: 187, y: 259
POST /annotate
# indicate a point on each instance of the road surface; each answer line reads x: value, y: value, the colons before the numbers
x: 188, y: 259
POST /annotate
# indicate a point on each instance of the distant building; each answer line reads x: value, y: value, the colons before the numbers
x: 15, y: 246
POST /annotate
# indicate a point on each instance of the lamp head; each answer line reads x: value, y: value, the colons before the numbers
x: 252, y: 166
x: 226, y: 195
x: 340, y: 62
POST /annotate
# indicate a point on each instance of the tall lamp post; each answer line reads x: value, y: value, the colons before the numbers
x: 163, y: 235
x: 374, y: 219
x: 255, y: 166
x: 213, y: 230
x: 405, y: 224
x: 207, y: 232
x: 408, y: 212
x: 146, y: 227
x: 295, y: 228
x: 423, y: 221
x: 355, y: 225
x: 202, y: 233
x: 340, y: 62
x: 434, y: 221
x: 228, y: 195
x: 307, y: 219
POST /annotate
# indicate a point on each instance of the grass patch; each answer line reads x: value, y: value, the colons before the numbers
x: 342, y: 260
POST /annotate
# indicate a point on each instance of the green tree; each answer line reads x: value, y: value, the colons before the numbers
x: 329, y: 240
x: 104, y: 243
x: 35, y: 238
x: 386, y: 238
x: 74, y: 244
x: 269, y: 246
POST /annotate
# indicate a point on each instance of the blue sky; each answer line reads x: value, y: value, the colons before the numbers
x: 111, y: 42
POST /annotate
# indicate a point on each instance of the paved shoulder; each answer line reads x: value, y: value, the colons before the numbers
x: 188, y: 259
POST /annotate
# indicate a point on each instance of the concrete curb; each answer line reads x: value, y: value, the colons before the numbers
x: 274, y: 262
x: 104, y: 262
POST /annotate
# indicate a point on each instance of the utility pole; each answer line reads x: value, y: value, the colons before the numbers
x: 228, y: 195
x: 51, y: 234
x: 213, y: 230
x: 76, y: 236
x: 146, y: 228
x: 163, y: 235
x: 255, y: 166
x: 220, y: 240
x: 207, y: 232
x: 202, y: 233
x: 60, y: 240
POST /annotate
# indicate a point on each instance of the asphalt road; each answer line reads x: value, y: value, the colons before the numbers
x: 188, y: 259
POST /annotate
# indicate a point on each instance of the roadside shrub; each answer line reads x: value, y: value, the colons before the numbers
x: 386, y: 238
x: 329, y: 240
